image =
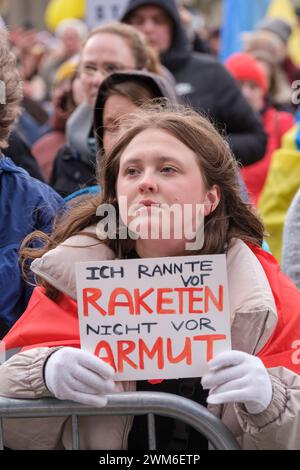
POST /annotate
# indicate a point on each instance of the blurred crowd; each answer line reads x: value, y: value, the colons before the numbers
x: 66, y: 95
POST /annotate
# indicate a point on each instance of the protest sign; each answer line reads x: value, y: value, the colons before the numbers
x: 103, y: 11
x: 155, y: 318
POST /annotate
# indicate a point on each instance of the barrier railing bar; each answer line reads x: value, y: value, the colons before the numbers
x: 1, y: 434
x: 132, y: 403
x: 75, y: 434
x: 151, y: 431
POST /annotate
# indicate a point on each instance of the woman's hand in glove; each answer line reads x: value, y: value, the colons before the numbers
x: 74, y: 374
x: 235, y: 376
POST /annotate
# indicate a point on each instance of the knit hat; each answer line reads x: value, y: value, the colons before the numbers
x: 277, y: 26
x: 261, y: 44
x: 243, y: 67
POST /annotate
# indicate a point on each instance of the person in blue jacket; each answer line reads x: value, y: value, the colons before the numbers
x: 26, y: 204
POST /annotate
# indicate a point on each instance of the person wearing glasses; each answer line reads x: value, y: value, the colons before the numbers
x: 110, y: 48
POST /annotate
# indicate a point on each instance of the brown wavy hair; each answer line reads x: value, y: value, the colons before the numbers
x: 232, y: 218
x: 10, y: 89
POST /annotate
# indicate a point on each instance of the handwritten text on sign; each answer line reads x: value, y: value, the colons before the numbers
x: 103, y: 11
x: 155, y: 318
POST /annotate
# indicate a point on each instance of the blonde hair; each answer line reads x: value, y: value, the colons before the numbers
x: 144, y: 58
x: 72, y: 23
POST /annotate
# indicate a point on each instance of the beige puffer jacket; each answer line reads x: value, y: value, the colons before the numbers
x: 253, y: 318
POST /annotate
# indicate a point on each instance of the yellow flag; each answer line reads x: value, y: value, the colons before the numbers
x: 294, y: 48
x: 284, y: 9
x: 58, y: 10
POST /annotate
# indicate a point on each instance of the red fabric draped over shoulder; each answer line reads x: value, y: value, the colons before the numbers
x: 49, y: 323
x: 45, y: 323
x: 283, y: 347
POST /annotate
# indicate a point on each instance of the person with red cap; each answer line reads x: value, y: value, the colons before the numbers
x: 254, y: 84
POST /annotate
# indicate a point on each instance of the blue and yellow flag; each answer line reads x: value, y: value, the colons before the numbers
x: 240, y: 16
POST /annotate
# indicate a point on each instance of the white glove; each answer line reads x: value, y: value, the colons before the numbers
x: 235, y: 376
x: 74, y: 374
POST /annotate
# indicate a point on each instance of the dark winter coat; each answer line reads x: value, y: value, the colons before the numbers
x: 70, y: 173
x: 204, y: 84
x: 19, y: 151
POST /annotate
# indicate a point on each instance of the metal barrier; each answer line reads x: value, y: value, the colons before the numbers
x: 132, y: 403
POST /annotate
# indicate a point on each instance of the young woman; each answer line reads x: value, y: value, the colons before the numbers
x: 161, y: 157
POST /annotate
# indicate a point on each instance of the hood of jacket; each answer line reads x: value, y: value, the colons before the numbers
x: 157, y: 85
x: 80, y: 136
x: 180, y: 48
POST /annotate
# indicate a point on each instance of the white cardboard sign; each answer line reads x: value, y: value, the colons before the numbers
x: 103, y: 11
x: 157, y: 318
